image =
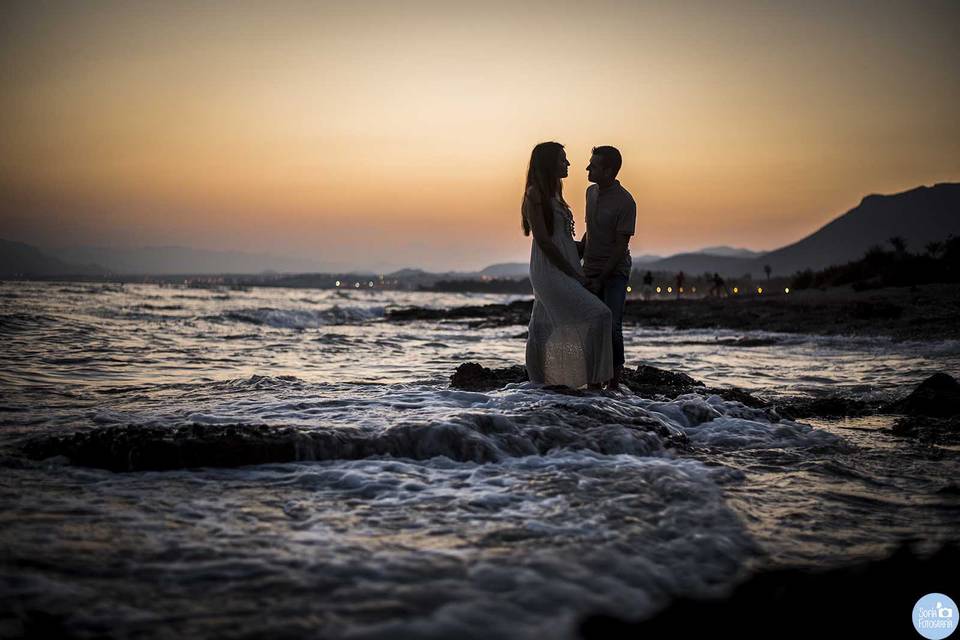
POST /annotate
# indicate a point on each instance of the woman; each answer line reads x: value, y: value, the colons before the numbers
x: 570, y: 338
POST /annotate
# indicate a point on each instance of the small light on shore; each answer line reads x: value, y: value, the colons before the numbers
x: 786, y: 290
x: 680, y: 289
x: 736, y: 289
x: 338, y: 283
x: 356, y: 284
x: 658, y: 289
x: 669, y: 289
x: 629, y: 288
x: 759, y: 289
x: 693, y: 289
x: 370, y: 284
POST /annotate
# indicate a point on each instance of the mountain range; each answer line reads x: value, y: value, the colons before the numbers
x: 920, y: 216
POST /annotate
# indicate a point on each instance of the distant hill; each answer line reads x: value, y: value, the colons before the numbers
x: 507, y: 270
x: 730, y: 252
x: 175, y: 260
x: 697, y: 263
x: 645, y: 258
x: 920, y: 215
x: 18, y: 259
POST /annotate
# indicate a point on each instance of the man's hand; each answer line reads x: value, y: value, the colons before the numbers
x: 594, y: 285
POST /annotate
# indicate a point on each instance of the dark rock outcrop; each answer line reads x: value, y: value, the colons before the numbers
x: 865, y: 600
x: 943, y: 431
x: 474, y: 316
x: 468, y: 436
x: 938, y: 396
x: 829, y: 407
x: 651, y: 382
x: 471, y: 376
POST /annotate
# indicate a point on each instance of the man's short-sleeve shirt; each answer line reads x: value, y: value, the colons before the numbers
x: 610, y: 212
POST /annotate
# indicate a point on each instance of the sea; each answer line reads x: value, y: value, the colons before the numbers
x: 505, y: 514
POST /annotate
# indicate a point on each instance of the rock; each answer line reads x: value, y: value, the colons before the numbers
x: 471, y: 376
x: 738, y: 395
x: 937, y: 396
x: 830, y: 407
x: 871, y: 599
x: 927, y: 429
x: 649, y: 381
x: 138, y: 447
x: 467, y: 436
x: 476, y: 316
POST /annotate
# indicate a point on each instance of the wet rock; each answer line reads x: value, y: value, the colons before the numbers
x: 738, y: 395
x: 650, y: 381
x: 830, y: 407
x: 927, y: 429
x: 469, y: 436
x: 865, y: 600
x: 938, y: 396
x: 471, y: 376
x: 138, y: 448
x: 475, y: 316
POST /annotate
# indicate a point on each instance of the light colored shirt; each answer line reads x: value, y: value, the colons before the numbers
x: 610, y: 213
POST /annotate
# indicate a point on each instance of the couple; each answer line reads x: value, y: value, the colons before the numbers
x: 576, y: 335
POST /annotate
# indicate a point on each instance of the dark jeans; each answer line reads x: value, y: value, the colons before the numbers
x: 614, y: 295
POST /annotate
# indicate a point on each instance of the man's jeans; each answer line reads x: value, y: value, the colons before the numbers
x: 614, y: 295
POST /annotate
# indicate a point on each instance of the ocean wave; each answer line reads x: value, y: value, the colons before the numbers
x: 519, y: 549
x: 17, y: 322
x: 301, y: 318
x: 462, y: 426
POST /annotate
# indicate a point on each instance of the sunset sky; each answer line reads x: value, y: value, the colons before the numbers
x: 365, y: 134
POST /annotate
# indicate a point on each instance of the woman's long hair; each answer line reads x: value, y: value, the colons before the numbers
x: 544, y: 176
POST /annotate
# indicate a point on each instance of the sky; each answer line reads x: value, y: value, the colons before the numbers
x: 374, y: 134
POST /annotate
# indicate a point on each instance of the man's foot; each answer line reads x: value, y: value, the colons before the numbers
x: 594, y: 386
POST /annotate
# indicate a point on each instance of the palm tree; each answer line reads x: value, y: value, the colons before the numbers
x: 899, y: 244
x: 934, y: 249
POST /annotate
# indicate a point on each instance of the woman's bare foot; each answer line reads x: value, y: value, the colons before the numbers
x: 614, y: 383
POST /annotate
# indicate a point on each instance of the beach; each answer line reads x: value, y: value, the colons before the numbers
x: 289, y: 462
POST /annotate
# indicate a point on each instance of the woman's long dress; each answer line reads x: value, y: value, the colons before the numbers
x: 570, y: 337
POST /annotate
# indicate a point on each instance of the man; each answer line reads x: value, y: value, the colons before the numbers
x: 611, y: 220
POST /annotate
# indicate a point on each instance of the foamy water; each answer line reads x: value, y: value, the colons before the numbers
x: 427, y: 511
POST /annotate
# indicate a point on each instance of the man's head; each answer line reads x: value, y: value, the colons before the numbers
x: 604, y: 165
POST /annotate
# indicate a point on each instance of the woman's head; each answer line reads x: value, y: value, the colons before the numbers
x: 548, y: 165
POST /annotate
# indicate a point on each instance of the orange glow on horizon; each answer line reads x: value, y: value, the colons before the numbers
x: 404, y: 131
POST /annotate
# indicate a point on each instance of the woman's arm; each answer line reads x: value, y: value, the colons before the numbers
x: 539, y: 228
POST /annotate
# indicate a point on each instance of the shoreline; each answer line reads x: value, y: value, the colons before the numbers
x: 927, y: 312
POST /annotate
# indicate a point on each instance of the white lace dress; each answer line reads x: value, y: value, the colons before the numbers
x: 570, y: 338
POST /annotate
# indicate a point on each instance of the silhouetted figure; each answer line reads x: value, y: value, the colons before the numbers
x: 647, y: 285
x: 719, y: 286
x: 569, y: 341
x: 611, y: 220
x: 680, y: 279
